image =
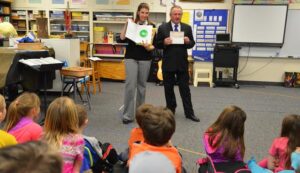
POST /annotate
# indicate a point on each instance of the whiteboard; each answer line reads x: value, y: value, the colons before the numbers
x: 291, y: 46
x: 259, y: 24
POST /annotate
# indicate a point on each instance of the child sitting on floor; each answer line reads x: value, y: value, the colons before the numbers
x: 136, y: 134
x: 278, y: 153
x: 6, y: 139
x: 224, y: 141
x: 21, y: 116
x: 61, y: 131
x: 98, y: 157
x: 158, y: 126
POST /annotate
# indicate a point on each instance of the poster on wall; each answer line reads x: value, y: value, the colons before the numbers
x: 58, y: 1
x: 122, y: 2
x: 102, y: 2
x: 187, y: 17
x: 206, y: 24
x: 35, y: 1
x: 78, y: 2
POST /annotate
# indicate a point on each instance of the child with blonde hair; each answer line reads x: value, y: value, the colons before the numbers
x: 62, y: 132
x: 6, y: 139
x: 21, y: 116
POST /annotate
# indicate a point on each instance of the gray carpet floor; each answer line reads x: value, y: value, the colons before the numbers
x: 265, y: 107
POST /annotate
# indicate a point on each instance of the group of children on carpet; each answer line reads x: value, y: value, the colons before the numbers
x: 149, y: 145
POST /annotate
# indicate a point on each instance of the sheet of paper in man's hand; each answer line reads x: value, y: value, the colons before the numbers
x: 177, y: 37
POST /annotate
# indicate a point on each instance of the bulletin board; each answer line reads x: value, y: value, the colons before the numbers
x: 206, y: 24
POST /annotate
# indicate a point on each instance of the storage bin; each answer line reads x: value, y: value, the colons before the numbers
x: 297, y: 79
x: 83, y: 37
x: 83, y: 27
x: 75, y: 27
x: 289, y: 79
x: 85, y: 17
x: 98, y: 34
x: 56, y: 27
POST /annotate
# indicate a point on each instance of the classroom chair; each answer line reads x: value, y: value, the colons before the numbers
x: 94, y: 78
x: 71, y: 77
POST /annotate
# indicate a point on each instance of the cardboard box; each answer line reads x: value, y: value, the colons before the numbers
x: 31, y: 46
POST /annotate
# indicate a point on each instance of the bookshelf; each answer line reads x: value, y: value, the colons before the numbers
x: 57, y: 22
x: 5, y: 10
x: 81, y: 25
x: 108, y: 22
x: 18, y: 18
x: 106, y: 27
x: 32, y: 16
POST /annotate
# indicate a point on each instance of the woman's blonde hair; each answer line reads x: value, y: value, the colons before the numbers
x: 20, y: 108
x: 2, y: 103
x: 61, y: 119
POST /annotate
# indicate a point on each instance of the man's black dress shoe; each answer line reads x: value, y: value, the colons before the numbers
x: 125, y: 121
x: 193, y: 118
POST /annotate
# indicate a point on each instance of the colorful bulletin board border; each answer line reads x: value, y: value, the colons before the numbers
x: 206, y: 24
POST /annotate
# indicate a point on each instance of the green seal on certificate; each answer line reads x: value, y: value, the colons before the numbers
x: 143, y: 33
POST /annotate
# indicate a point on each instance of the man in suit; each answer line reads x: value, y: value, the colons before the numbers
x: 175, y: 63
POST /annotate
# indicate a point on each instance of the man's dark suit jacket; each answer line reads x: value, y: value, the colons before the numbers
x: 175, y: 56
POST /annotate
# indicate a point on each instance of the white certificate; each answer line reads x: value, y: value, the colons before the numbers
x: 177, y: 37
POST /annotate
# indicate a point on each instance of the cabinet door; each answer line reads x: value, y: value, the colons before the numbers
x: 112, y: 69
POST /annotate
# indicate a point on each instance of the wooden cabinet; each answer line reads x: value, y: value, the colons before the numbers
x: 112, y: 64
x: 111, y: 69
x: 106, y: 27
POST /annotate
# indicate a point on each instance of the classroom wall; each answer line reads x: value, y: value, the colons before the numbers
x: 251, y: 69
x: 262, y: 69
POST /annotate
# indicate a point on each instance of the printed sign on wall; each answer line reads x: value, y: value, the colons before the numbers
x: 207, y: 23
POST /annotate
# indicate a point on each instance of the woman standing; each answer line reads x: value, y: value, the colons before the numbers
x: 137, y: 64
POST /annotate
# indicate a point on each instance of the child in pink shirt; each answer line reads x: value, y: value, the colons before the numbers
x: 21, y: 116
x: 62, y: 132
x: 278, y: 152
